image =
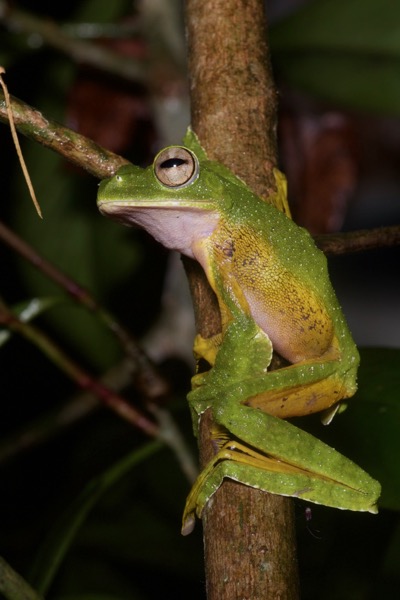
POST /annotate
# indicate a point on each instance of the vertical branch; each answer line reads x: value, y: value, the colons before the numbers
x: 249, y: 535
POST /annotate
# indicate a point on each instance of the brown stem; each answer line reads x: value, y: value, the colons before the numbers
x: 359, y: 241
x: 76, y: 148
x: 249, y: 535
x: 151, y: 384
x: 110, y: 398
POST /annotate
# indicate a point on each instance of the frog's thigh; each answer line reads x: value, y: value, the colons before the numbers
x: 301, y: 398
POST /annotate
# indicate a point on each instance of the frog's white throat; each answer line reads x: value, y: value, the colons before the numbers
x: 175, y: 228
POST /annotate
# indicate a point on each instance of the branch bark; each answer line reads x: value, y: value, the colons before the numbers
x: 250, y: 547
x: 359, y: 241
x: 78, y: 149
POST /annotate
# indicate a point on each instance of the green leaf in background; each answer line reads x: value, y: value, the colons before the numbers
x: 27, y: 311
x: 345, y: 51
x: 52, y: 552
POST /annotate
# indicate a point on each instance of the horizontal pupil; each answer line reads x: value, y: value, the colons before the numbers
x: 173, y: 162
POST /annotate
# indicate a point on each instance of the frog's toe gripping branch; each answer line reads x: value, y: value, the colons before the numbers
x: 240, y: 463
x: 288, y: 461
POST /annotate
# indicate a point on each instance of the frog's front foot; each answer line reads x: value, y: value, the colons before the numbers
x: 201, y: 398
x: 199, y: 380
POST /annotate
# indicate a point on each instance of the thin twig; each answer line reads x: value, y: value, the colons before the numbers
x: 84, y: 404
x: 149, y: 380
x: 47, y: 427
x: 151, y: 383
x: 76, y: 373
x: 173, y: 437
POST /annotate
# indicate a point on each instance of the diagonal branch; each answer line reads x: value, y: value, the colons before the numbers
x: 76, y: 148
x: 148, y: 380
x: 81, y: 377
x: 101, y: 163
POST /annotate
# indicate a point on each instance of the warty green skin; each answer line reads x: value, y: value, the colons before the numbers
x: 220, y: 222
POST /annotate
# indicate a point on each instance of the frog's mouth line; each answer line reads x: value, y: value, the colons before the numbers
x: 120, y: 206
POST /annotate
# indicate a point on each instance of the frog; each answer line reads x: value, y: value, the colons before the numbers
x: 274, y: 296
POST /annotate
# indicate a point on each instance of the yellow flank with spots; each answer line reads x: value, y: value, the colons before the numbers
x: 285, y: 307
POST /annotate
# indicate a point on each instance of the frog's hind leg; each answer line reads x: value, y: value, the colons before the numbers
x: 352, y: 488
x: 303, y: 388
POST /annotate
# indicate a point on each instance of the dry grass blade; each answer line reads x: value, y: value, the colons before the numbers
x: 16, y: 143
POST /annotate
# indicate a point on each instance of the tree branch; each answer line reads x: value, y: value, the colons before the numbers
x: 76, y: 148
x: 101, y: 163
x: 359, y: 241
x: 250, y: 549
x: 75, y: 372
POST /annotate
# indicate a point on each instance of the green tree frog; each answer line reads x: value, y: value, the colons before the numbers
x: 273, y: 292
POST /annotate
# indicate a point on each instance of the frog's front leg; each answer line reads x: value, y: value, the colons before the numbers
x: 232, y: 366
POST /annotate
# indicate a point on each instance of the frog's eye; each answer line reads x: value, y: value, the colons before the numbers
x: 176, y: 167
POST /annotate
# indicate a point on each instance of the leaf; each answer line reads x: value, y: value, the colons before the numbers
x: 28, y: 310
x: 56, y: 546
x: 346, y: 51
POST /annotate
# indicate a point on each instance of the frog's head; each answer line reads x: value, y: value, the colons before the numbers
x: 179, y: 199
